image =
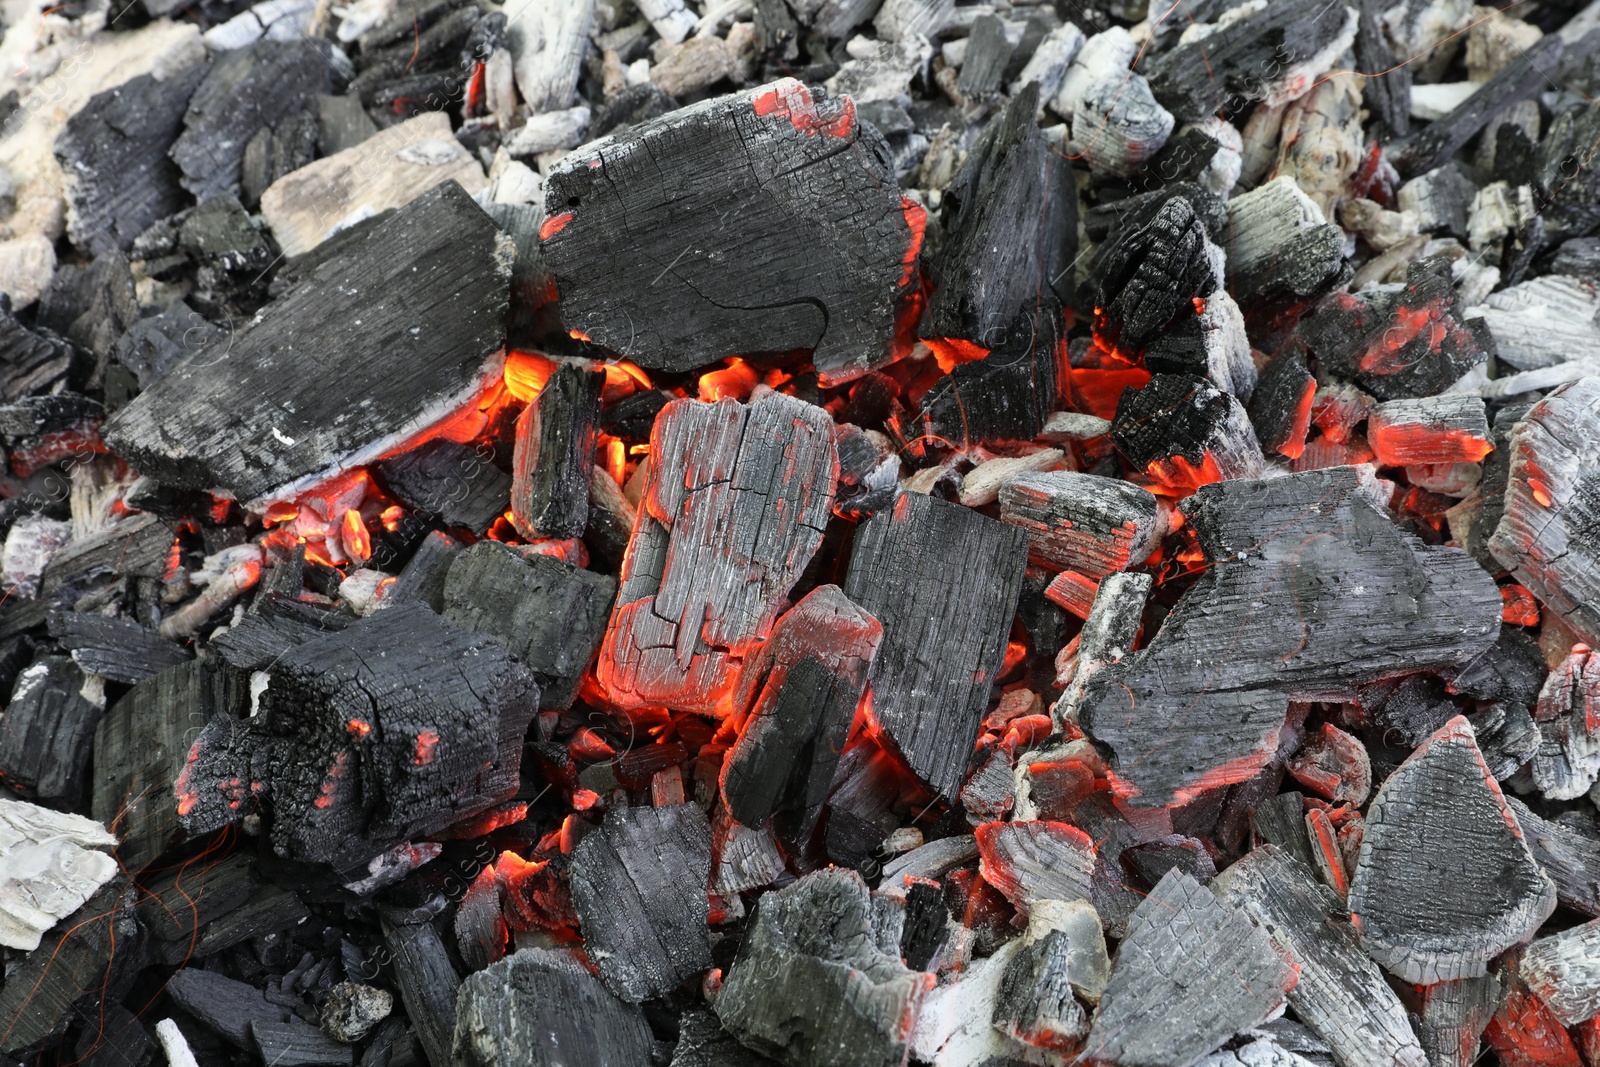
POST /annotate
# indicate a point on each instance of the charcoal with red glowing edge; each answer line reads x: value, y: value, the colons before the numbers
x: 423, y: 577
x: 1010, y: 232
x: 427, y: 983
x: 410, y: 312
x: 1341, y: 994
x: 1334, y: 765
x: 929, y: 566
x: 549, y: 614
x: 1149, y: 278
x: 1191, y: 972
x: 796, y: 699
x: 735, y: 506
x: 1035, y: 1004
x: 1451, y: 1018
x: 118, y: 649
x: 1568, y: 713
x: 455, y: 483
x: 1183, y: 432
x: 1310, y: 590
x: 809, y: 986
x: 1036, y: 860
x: 137, y: 546
x: 1524, y: 1032
x: 1280, y: 408
x: 1564, y: 971
x: 1435, y: 429
x: 767, y: 220
x: 1109, y: 632
x: 47, y: 732
x: 1549, y: 535
x: 639, y: 887
x: 1445, y: 881
x: 1083, y: 522
x: 1007, y: 395
x: 555, y: 444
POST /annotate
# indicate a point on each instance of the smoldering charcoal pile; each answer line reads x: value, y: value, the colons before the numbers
x: 834, y: 533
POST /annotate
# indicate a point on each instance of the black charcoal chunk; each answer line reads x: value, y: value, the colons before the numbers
x: 1009, y: 394
x: 1568, y: 854
x: 119, y: 649
x: 1151, y: 276
x: 47, y: 731
x: 555, y: 444
x: 1181, y: 431
x: 428, y: 985
x: 457, y: 483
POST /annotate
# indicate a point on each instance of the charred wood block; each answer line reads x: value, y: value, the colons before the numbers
x: 702, y: 1042
x: 409, y: 312
x: 1552, y: 506
x: 1151, y: 862
x: 735, y: 506
x: 296, y: 1043
x: 1311, y: 590
x: 796, y: 699
x: 1441, y: 199
x: 554, y: 453
x: 30, y: 360
x: 1118, y: 123
x: 927, y: 923
x: 1334, y: 765
x: 1150, y: 277
x: 119, y: 649
x: 1386, y: 85
x: 1280, y: 821
x: 1009, y: 220
x: 1035, y: 1004
x: 457, y: 483
x: 1564, y: 972
x: 1568, y: 854
x: 1341, y: 994
x: 1280, y: 407
x: 137, y: 546
x: 1190, y: 974
x: 679, y: 241
x: 639, y: 887
x: 541, y: 1008
x: 1082, y: 522
x: 424, y: 576
x: 810, y: 988
x: 227, y: 1007
x: 550, y: 614
x: 428, y: 985
x: 398, y: 727
x: 1434, y: 429
x: 1007, y: 395
x: 929, y: 566
x: 988, y: 50
x: 245, y: 91
x: 46, y: 732
x: 1452, y: 1016
x: 1568, y: 714
x: 1183, y: 432
x: 51, y: 864
x: 1279, y: 245
x: 1445, y: 880
x: 1524, y: 1031
x: 1036, y: 860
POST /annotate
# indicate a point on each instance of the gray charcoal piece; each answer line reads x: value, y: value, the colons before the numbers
x: 119, y: 649
x: 702, y: 1042
x: 47, y: 732
x: 1570, y: 856
x: 1444, y: 881
x: 1452, y: 1017
x: 1191, y: 972
x: 1564, y: 971
x: 1083, y: 522
x: 1036, y: 860
x: 540, y: 1007
x: 1036, y: 1005
x: 639, y: 887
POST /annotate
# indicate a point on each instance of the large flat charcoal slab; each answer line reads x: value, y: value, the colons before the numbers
x: 1009, y: 219
x: 1083, y: 522
x: 296, y: 1043
x: 47, y: 731
x: 735, y: 506
x: 452, y: 481
x: 1190, y: 974
x: 390, y: 730
x: 1311, y: 590
x: 1341, y: 995
x: 810, y: 987
x: 927, y: 567
x: 428, y: 984
x: 1550, y: 533
x: 766, y: 220
x: 113, y: 154
x: 1445, y: 880
x: 1009, y: 394
x: 639, y: 887
x: 245, y: 91
x: 542, y: 1008
x: 555, y: 443
x: 550, y: 614
x: 119, y: 649
x: 409, y: 316
x: 796, y: 700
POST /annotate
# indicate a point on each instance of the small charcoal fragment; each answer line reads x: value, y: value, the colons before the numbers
x: 1182, y: 432
x: 1036, y: 860
x: 1082, y: 522
x: 1007, y: 395
x: 47, y: 731
x: 556, y: 436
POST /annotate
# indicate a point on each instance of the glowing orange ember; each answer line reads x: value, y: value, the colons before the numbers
x: 735, y: 380
x: 357, y: 541
x: 554, y: 225
x: 526, y: 374
x: 792, y: 100
x: 358, y: 728
x: 427, y: 741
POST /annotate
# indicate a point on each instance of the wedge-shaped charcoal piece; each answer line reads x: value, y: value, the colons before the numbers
x: 793, y: 708
x: 1082, y: 522
x: 1568, y: 713
x: 1445, y: 881
x: 224, y: 1005
x: 245, y: 91
x: 119, y: 649
x: 181, y: 905
x: 1434, y: 429
x: 1279, y: 246
x: 1191, y: 973
x: 542, y: 1008
x: 393, y: 729
x: 113, y: 154
x: 639, y: 886
x: 955, y: 1022
x: 408, y: 310
x: 428, y: 985
x: 550, y: 614
x: 1007, y: 395
x: 47, y: 730
x: 457, y: 483
x: 554, y: 453
x: 1149, y: 278
x: 1570, y: 856
x: 1280, y: 408
x: 1451, y: 1018
x: 1009, y: 220
x: 1524, y: 1031
x: 702, y: 1042
x: 423, y: 578
x: 1564, y: 972
x: 810, y: 988
x: 1183, y: 432
x: 52, y: 863
x: 761, y: 221
x: 928, y: 566
x: 1341, y: 994
x: 1036, y: 860
x: 1035, y: 1005
x: 1109, y: 632
x: 1310, y: 590
x: 1552, y: 506
x: 138, y: 547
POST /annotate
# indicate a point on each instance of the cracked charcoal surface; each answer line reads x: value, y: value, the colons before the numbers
x: 723, y: 531
x: 1034, y: 861
x: 1445, y: 880
x: 1082, y: 522
x: 1007, y: 395
x: 554, y: 452
x: 1146, y: 278
x: 1178, y: 423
